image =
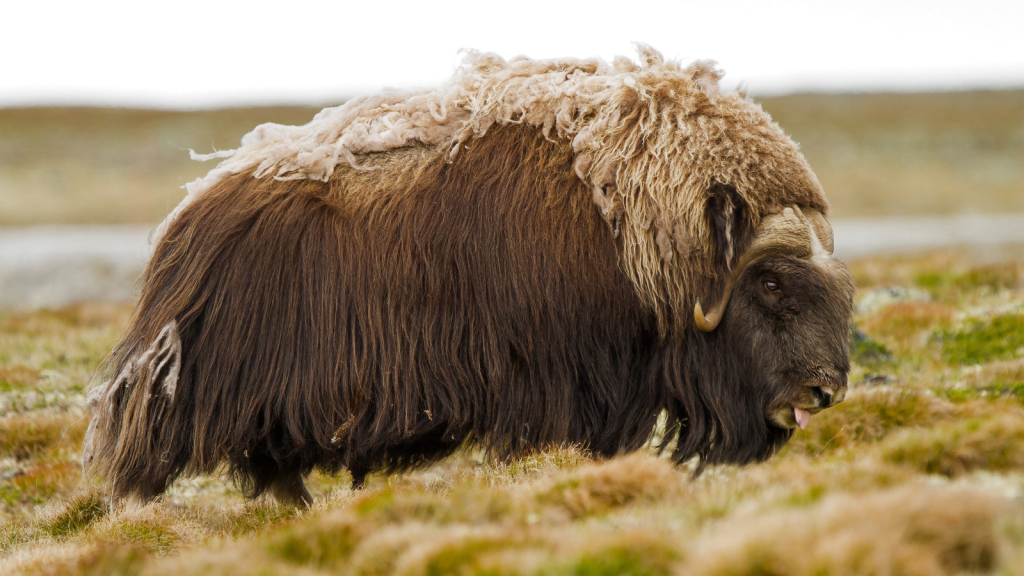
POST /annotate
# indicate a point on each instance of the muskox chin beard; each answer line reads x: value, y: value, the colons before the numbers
x: 719, y: 404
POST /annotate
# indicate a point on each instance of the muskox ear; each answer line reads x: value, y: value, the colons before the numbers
x: 730, y: 226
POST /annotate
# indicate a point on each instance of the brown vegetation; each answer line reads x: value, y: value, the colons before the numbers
x: 25, y: 435
x: 914, y: 530
x: 919, y: 471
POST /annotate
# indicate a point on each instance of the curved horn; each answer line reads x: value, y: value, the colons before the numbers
x: 822, y: 229
x: 709, y: 322
x: 788, y: 232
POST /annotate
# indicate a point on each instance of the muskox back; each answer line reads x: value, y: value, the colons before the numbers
x: 379, y: 321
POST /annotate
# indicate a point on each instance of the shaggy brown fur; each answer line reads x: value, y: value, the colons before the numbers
x: 650, y: 141
x: 384, y: 318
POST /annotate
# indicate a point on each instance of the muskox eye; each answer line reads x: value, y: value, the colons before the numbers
x: 771, y: 285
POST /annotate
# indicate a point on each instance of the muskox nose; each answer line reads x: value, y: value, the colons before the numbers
x: 827, y: 397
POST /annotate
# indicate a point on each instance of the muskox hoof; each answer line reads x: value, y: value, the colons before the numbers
x: 358, y: 477
x: 289, y: 490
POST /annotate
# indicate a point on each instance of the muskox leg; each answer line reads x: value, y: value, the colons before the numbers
x: 289, y: 489
x: 358, y: 476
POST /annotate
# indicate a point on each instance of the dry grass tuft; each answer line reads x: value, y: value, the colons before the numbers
x: 1010, y: 372
x: 905, y: 325
x: 993, y: 444
x: 382, y: 549
x: 467, y: 502
x: 48, y: 321
x: 801, y: 481
x: 597, y: 488
x: 996, y: 380
x: 532, y: 466
x: 915, y: 530
x: 26, y: 435
x: 17, y: 378
x: 70, y: 518
x: 109, y: 560
x: 154, y: 527
x: 325, y: 543
x: 461, y: 550
x: 340, y: 543
x: 252, y: 517
x: 866, y: 416
x: 45, y: 560
x: 36, y: 484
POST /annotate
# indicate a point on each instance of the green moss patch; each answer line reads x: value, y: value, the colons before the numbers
x: 997, y: 389
x: 640, y: 554
x: 998, y: 338
x: 985, y: 279
x: 867, y: 351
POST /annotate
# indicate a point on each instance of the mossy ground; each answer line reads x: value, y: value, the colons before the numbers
x: 919, y: 471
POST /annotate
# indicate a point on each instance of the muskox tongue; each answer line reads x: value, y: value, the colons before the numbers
x: 802, y: 417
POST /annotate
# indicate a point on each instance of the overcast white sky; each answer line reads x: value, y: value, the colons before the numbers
x: 196, y: 53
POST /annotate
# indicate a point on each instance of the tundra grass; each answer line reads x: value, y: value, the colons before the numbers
x: 919, y: 471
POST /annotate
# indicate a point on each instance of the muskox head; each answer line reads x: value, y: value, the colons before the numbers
x: 780, y: 329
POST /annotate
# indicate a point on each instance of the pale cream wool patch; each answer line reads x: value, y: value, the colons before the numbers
x: 650, y: 140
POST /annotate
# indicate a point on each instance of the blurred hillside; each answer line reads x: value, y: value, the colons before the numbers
x: 900, y: 154
x: 876, y: 154
x: 109, y: 165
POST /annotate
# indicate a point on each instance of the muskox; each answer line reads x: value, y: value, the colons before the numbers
x: 537, y: 253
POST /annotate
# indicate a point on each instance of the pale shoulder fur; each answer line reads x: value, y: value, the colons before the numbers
x: 651, y: 139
